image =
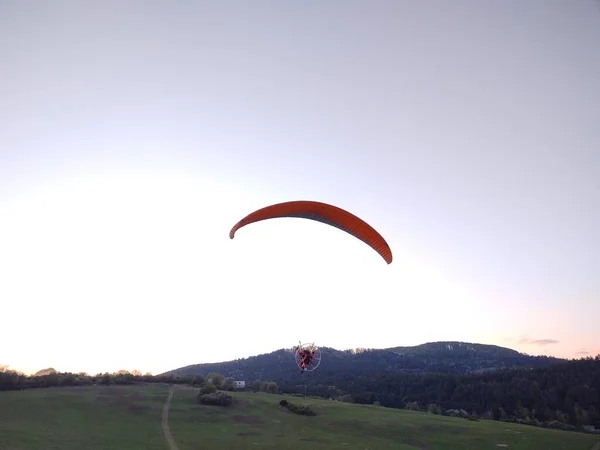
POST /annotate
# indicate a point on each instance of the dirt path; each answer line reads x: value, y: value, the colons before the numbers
x: 165, y: 422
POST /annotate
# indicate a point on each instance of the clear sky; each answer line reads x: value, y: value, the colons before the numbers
x: 133, y: 135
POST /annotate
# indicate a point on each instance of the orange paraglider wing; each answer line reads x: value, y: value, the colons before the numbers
x: 321, y: 212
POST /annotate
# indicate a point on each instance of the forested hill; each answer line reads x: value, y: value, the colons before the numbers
x: 464, y: 357
x: 483, y: 380
x: 458, y: 358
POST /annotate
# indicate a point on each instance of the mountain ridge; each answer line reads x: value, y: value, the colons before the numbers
x: 450, y: 357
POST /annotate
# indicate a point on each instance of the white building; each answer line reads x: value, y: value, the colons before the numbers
x: 239, y: 384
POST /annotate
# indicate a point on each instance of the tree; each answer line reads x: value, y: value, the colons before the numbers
x: 228, y: 384
x: 272, y: 387
x: 333, y: 392
x: 106, y: 379
x: 503, y: 415
x: 187, y: 379
x: 256, y: 385
x: 44, y: 372
x: 197, y: 379
x: 216, y: 379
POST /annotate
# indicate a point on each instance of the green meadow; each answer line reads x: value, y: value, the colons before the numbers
x: 131, y: 417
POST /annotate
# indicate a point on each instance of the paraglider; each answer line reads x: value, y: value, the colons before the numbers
x: 324, y: 213
x: 307, y: 357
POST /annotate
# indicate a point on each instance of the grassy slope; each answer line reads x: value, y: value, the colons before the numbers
x: 82, y: 418
x: 128, y: 418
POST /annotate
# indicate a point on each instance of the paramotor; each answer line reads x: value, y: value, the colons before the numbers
x: 307, y: 357
x: 324, y: 213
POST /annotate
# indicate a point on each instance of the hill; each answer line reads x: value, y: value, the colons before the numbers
x: 458, y: 358
x: 483, y: 380
x: 466, y: 358
x: 103, y: 417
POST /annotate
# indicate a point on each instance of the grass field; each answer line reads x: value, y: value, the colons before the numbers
x: 123, y: 417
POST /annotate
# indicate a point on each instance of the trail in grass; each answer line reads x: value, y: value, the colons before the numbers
x: 165, y: 422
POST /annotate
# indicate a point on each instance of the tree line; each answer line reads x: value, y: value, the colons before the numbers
x: 565, y: 394
x: 14, y: 380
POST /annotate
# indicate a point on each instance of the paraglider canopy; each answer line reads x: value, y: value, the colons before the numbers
x: 324, y: 213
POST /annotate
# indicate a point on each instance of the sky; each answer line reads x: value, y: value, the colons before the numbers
x: 134, y: 135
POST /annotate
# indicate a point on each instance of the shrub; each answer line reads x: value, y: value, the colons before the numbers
x: 347, y: 398
x: 219, y: 398
x: 433, y: 409
x: 272, y: 387
x: 208, y: 388
x: 560, y: 425
x: 303, y: 410
x: 413, y: 406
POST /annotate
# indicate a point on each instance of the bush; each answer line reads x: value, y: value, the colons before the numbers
x: 208, y: 388
x: 303, y: 410
x: 413, y: 406
x: 557, y: 425
x: 347, y: 398
x: 219, y: 398
x: 433, y: 409
x: 271, y: 387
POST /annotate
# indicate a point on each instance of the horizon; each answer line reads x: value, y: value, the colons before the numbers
x: 134, y: 137
x: 131, y: 370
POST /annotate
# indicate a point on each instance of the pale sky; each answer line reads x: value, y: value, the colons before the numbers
x: 134, y: 135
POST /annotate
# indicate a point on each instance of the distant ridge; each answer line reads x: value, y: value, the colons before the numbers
x: 449, y: 357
